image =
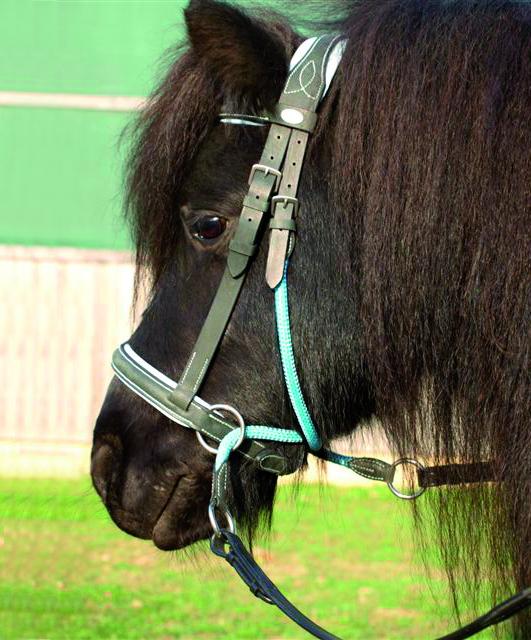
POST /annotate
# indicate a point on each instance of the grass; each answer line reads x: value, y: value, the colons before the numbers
x: 344, y: 555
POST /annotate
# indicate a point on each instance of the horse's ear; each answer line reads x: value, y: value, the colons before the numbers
x: 247, y: 56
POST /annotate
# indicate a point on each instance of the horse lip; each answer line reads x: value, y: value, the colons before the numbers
x: 159, y: 521
x: 176, y: 527
x: 168, y: 501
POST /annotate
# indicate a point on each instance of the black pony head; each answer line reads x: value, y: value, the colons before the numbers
x: 188, y: 176
x: 408, y: 282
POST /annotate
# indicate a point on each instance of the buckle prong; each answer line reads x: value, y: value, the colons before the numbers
x: 266, y: 171
x: 285, y: 200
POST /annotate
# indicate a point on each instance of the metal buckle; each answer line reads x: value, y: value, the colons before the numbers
x: 267, y: 171
x: 239, y: 419
x: 394, y: 490
x: 286, y: 200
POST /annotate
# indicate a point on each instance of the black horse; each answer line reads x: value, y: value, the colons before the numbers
x: 409, y: 283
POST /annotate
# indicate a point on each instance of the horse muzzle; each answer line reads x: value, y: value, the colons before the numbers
x: 151, y: 488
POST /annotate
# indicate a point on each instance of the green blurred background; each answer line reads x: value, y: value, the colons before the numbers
x: 60, y: 167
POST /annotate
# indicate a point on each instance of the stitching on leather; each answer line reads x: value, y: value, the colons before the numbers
x: 201, y: 372
x: 302, y: 87
x: 314, y: 44
x: 187, y: 369
x: 210, y: 435
x: 365, y: 475
x: 365, y: 472
x: 331, y: 45
x: 225, y: 477
x: 297, y: 68
x: 365, y: 468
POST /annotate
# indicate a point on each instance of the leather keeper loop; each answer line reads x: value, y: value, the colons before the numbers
x: 259, y: 204
x: 243, y: 248
x: 284, y: 225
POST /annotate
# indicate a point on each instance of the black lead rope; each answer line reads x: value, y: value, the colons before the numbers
x: 499, y: 613
x: 229, y: 546
x: 258, y: 582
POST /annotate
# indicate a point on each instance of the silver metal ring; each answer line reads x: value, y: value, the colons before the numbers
x: 239, y: 418
x: 395, y: 491
x: 204, y: 444
x: 214, y: 522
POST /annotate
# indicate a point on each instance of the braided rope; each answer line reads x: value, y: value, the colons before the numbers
x: 288, y: 364
x: 258, y: 432
x: 262, y: 432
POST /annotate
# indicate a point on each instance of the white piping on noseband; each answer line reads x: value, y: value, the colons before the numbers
x: 148, y: 367
x: 155, y: 373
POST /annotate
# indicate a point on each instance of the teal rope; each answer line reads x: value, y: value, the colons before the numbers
x: 291, y: 377
x: 257, y: 432
x: 288, y: 364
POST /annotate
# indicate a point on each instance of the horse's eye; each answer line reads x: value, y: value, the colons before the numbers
x: 209, y: 227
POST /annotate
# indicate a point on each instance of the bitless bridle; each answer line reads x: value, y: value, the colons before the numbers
x: 272, y: 195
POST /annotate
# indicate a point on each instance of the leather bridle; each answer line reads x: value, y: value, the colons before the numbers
x: 271, y: 201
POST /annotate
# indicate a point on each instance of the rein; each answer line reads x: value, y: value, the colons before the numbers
x: 272, y: 201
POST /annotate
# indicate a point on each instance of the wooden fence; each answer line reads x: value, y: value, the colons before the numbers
x: 63, y: 312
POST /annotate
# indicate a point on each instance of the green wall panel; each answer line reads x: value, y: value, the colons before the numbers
x: 61, y: 182
x: 60, y: 168
x: 104, y: 47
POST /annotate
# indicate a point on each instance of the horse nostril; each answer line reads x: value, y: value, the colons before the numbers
x: 103, y: 460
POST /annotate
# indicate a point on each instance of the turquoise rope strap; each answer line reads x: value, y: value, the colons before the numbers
x: 288, y: 364
x: 370, y: 468
x: 253, y: 431
x: 336, y: 458
x: 226, y: 446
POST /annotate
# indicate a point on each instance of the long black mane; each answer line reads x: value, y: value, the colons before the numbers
x: 432, y: 149
x: 426, y: 138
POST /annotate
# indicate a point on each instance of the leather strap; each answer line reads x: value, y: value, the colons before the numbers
x: 298, y: 104
x: 300, y: 98
x: 154, y: 388
x: 290, y: 225
x: 263, y: 182
x: 229, y: 546
x: 503, y: 611
x: 309, y: 76
x: 455, y: 474
x: 259, y: 583
x: 210, y: 336
x: 285, y: 207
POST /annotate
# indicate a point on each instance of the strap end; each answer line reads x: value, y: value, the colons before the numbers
x: 274, y: 273
x: 279, y: 245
